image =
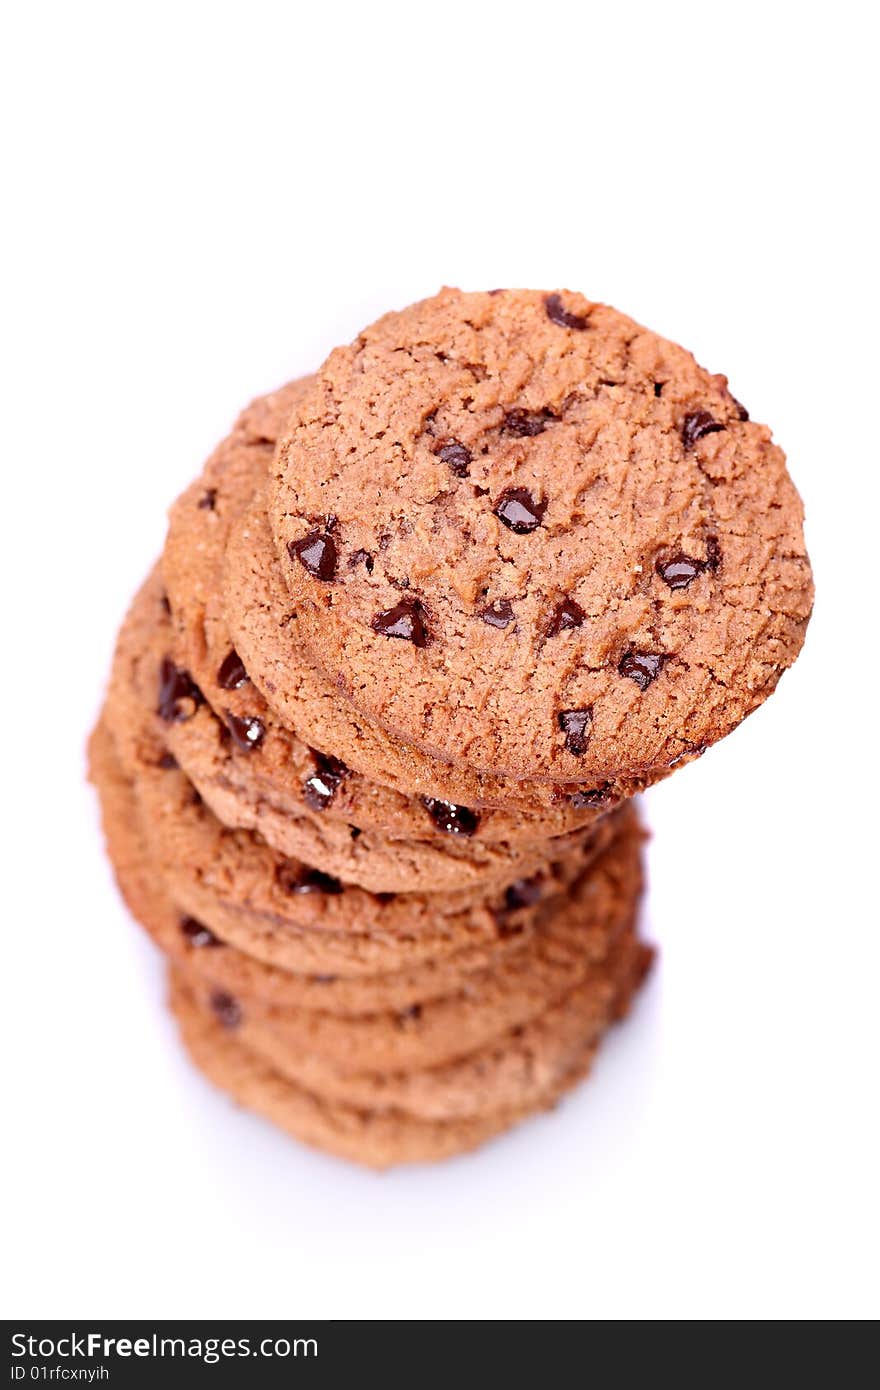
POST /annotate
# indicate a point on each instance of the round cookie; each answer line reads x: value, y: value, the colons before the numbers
x: 377, y: 1139
x: 529, y: 536
x: 146, y: 678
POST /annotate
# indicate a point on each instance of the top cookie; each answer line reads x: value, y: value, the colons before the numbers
x: 527, y: 535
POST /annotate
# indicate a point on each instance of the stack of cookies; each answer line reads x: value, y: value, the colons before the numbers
x: 420, y: 630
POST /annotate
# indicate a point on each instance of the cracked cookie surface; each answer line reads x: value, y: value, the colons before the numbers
x: 527, y: 535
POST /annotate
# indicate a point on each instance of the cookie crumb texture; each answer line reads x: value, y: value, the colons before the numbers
x: 513, y: 453
x: 422, y: 627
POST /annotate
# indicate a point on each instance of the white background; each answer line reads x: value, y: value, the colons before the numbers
x: 200, y: 202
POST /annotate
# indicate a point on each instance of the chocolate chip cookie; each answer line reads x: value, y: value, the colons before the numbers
x: 528, y: 536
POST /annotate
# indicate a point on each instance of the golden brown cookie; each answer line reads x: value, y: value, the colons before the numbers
x: 529, y: 536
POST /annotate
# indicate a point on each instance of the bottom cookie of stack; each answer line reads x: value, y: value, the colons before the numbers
x: 510, y: 1032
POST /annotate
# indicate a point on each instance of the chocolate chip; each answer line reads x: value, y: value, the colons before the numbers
x: 197, y: 934
x: 165, y: 605
x: 568, y: 615
x: 320, y: 789
x: 355, y: 832
x: 499, y: 614
x: 247, y: 730
x: 525, y: 424
x: 519, y: 510
x: 362, y: 557
x: 741, y: 412
x: 179, y: 696
x: 642, y: 667
x: 576, y: 724
x: 453, y: 820
x: 316, y: 553
x: 167, y: 762
x: 524, y: 893
x: 405, y: 620
x: 208, y: 500
x: 679, y: 571
x: 455, y: 454
x: 232, y: 675
x: 592, y: 797
x: 658, y: 387
x: 698, y: 424
x: 298, y: 878
x: 557, y: 313
x: 226, y: 1008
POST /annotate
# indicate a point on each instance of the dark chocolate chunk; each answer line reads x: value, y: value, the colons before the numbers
x: 525, y: 424
x: 741, y: 412
x: 405, y: 620
x: 698, y: 424
x: 568, y: 615
x: 232, y: 675
x: 298, y: 878
x: 455, y: 454
x: 557, y: 313
x: 454, y: 820
x: 167, y: 762
x: 197, y: 934
x: 208, y: 500
x: 679, y: 571
x: 642, y: 667
x: 519, y: 510
x: 576, y: 724
x: 179, y: 696
x: 316, y: 553
x: 247, y: 730
x: 320, y: 789
x: 498, y: 614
